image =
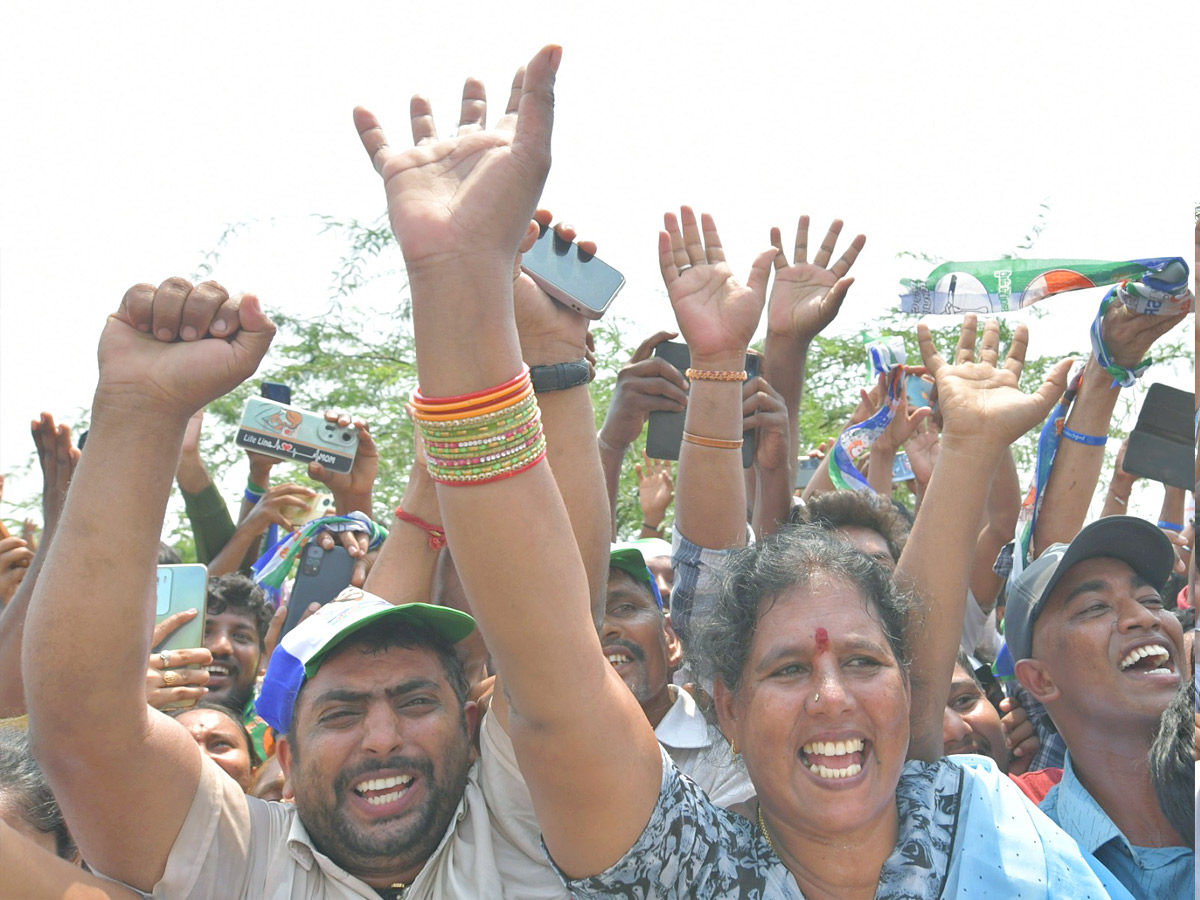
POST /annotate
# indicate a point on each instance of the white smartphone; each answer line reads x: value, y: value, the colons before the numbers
x: 575, y: 279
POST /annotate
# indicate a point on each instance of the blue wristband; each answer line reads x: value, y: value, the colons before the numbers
x: 1169, y: 526
x: 252, y: 497
x: 1091, y: 440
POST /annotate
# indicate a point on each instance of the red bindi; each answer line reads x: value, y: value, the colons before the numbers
x: 822, y: 637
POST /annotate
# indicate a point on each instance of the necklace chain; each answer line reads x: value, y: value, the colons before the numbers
x: 762, y: 825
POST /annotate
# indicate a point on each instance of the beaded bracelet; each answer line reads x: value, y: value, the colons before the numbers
x: 715, y: 375
x: 1091, y: 440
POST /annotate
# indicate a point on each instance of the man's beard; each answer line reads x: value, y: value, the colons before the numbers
x: 391, y: 844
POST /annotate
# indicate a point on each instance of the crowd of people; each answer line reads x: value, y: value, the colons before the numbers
x: 817, y: 692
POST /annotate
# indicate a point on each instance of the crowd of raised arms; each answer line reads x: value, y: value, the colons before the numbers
x: 821, y: 693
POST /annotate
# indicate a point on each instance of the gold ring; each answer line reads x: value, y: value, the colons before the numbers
x: 171, y: 677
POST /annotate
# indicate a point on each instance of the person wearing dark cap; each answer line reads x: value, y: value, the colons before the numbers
x: 643, y: 649
x: 1092, y: 641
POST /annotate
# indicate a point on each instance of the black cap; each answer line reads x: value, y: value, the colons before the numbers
x: 1135, y: 542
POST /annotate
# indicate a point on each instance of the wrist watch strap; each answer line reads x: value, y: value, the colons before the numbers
x: 560, y: 376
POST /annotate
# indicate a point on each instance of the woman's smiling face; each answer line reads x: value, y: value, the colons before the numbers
x: 822, y: 713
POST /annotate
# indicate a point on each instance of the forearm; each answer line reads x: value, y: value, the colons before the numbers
x: 403, y: 573
x: 611, y: 460
x: 1116, y: 498
x: 710, y: 496
x: 820, y: 482
x: 574, y: 457
x: 1172, y: 506
x: 12, y: 630
x: 1077, y: 466
x: 879, y: 473
x: 785, y: 357
x: 212, y: 526
x: 936, y: 565
x: 773, y: 500
x: 94, y: 603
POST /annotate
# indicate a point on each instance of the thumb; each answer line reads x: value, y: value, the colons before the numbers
x: 1054, y: 385
x: 760, y: 272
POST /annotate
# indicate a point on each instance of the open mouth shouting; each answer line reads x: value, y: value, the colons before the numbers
x: 1148, y: 659
x: 621, y: 653
x: 835, y: 760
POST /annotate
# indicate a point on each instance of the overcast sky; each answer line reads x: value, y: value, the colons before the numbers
x: 134, y: 133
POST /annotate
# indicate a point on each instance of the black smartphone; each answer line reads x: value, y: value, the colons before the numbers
x: 665, y: 433
x: 575, y: 279
x: 1161, y: 446
x: 280, y: 393
x: 323, y: 574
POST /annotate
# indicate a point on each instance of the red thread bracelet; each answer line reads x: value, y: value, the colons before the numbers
x: 437, y: 536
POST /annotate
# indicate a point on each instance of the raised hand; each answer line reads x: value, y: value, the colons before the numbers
x: 806, y: 296
x: 716, y: 314
x: 170, y: 681
x: 764, y: 412
x: 922, y: 449
x: 902, y: 427
x: 471, y: 195
x: 1129, y: 335
x: 979, y: 400
x: 645, y: 384
x: 656, y: 490
x: 172, y: 349
x: 58, y: 460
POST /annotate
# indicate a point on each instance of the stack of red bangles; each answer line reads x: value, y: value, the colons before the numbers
x: 483, y: 436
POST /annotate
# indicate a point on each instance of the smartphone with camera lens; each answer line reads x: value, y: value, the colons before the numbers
x: 323, y: 574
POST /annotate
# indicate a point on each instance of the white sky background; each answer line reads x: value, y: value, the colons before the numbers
x: 133, y: 133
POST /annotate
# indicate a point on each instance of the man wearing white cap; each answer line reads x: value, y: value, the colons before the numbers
x: 1092, y: 641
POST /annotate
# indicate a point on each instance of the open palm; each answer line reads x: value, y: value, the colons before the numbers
x: 467, y: 193
x: 717, y: 315
x: 806, y: 296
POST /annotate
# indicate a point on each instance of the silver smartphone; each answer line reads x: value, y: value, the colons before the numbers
x: 577, y: 280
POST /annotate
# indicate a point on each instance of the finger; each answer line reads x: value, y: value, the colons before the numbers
x: 712, y: 241
x: 667, y: 401
x: 929, y: 355
x: 514, y: 93
x: 254, y: 331
x: 1052, y: 388
x: 800, y: 253
x: 359, y: 576
x: 657, y: 367
x: 535, y: 110
x: 373, y: 139
x: 989, y: 344
x: 693, y: 246
x: 965, y: 352
x: 842, y: 266
x: 566, y: 232
x: 646, y: 348
x: 1015, y: 361
x: 271, y: 638
x: 637, y: 468
x: 160, y: 698
x: 668, y: 262
x: 837, y: 295
x: 312, y: 609
x: 199, y: 309
x: 168, y: 625
x: 777, y: 242
x: 168, y: 305
x: 420, y: 115
x: 828, y: 244
x: 181, y: 659
x: 760, y: 274
x: 473, y: 115
x: 225, y: 319
x: 137, y: 306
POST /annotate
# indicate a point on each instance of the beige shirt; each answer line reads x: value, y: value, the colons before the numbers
x: 235, y: 847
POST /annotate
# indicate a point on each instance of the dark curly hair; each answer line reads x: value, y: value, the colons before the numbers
x: 237, y: 593
x: 25, y: 791
x: 846, y: 509
x: 1172, y: 766
x: 793, y: 557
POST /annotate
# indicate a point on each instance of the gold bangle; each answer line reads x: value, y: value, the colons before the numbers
x: 712, y: 442
x: 715, y: 375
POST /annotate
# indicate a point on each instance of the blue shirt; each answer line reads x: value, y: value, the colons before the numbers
x: 1150, y: 873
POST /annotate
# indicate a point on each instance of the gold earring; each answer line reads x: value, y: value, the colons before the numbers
x: 733, y: 754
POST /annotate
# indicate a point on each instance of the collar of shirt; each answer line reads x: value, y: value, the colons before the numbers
x: 1090, y: 825
x: 684, y: 726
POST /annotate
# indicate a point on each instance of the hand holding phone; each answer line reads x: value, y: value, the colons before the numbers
x: 571, y: 276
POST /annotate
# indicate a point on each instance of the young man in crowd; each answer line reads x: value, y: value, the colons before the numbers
x: 1093, y: 643
x: 641, y: 645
